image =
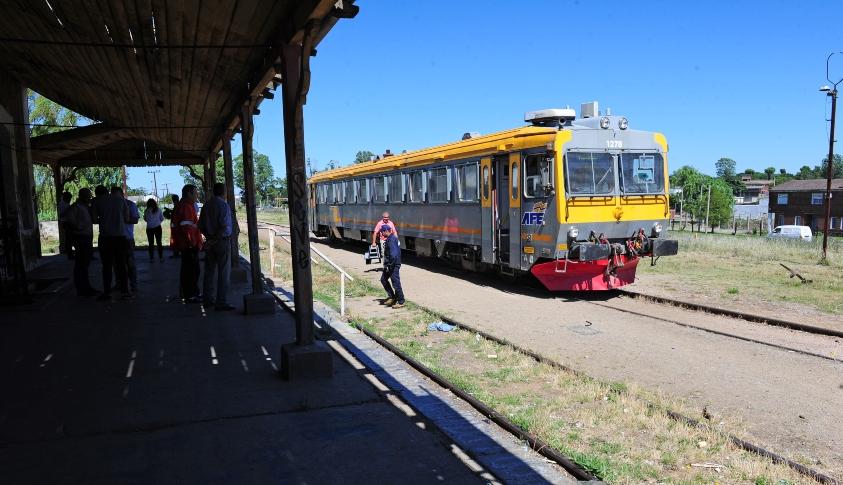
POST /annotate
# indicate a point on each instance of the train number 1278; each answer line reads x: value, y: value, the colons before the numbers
x: 614, y: 143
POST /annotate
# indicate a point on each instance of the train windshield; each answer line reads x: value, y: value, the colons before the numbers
x: 590, y: 173
x: 641, y: 173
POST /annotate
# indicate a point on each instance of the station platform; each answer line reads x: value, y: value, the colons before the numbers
x: 152, y: 390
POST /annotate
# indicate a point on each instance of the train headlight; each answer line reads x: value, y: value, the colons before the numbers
x: 657, y: 229
x: 573, y: 233
x: 604, y: 123
x: 623, y: 123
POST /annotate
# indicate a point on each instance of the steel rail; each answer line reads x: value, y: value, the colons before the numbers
x: 715, y: 332
x: 750, y: 317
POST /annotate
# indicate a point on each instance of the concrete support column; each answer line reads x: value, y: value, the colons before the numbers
x: 237, y: 273
x: 307, y: 357
x: 57, y: 184
x: 257, y: 301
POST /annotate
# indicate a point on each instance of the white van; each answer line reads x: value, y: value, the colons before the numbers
x: 792, y: 232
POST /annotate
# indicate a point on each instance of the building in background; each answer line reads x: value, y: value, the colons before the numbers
x: 802, y: 203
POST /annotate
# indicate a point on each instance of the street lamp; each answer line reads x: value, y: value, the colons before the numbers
x: 829, y: 91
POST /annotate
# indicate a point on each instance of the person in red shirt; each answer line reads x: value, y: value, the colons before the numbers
x: 377, y: 235
x: 188, y: 241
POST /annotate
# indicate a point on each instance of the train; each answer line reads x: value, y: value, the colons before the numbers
x: 577, y: 202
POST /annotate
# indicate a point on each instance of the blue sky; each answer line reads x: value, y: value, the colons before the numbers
x: 738, y: 80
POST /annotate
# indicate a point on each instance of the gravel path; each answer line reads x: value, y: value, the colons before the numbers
x: 789, y: 402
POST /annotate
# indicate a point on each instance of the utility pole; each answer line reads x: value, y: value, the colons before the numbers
x: 154, y: 181
x: 830, y: 91
x: 166, y: 189
x: 708, y: 208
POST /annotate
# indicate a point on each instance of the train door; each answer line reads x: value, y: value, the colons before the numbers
x: 514, y: 210
x: 500, y: 203
x: 487, y: 229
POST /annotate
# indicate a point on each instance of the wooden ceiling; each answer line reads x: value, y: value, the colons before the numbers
x: 165, y: 76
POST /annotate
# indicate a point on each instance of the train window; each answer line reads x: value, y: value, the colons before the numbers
x: 362, y: 191
x: 642, y: 173
x: 396, y: 188
x: 590, y: 173
x: 339, y: 194
x: 485, y: 182
x: 437, y: 185
x: 515, y: 180
x: 379, y: 190
x: 349, y: 192
x: 467, y: 187
x: 416, y: 186
x: 537, y: 180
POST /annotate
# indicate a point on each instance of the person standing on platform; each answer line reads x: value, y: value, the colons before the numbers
x: 173, y: 227
x: 377, y: 235
x: 80, y: 230
x: 215, y: 225
x: 154, y: 217
x: 113, y: 214
x: 64, y: 204
x: 131, y: 268
x: 392, y: 269
x: 188, y: 241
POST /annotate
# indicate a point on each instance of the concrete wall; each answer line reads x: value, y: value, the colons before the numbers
x: 16, y: 165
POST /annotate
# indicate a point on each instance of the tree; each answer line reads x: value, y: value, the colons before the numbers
x: 43, y: 111
x: 722, y: 203
x: 805, y: 172
x: 837, y: 167
x: 782, y: 171
x: 195, y: 174
x: 725, y: 168
x: 267, y: 186
x: 363, y: 156
x: 770, y: 171
x: 695, y: 186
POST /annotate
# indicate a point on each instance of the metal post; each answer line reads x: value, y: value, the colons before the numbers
x: 296, y: 83
x: 829, y: 173
x: 342, y: 294
x: 271, y: 235
x: 229, y: 197
x: 154, y: 181
x: 251, y: 212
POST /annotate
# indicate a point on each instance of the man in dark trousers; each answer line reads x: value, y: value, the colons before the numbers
x: 392, y: 268
x: 112, y: 214
x: 80, y: 230
x: 215, y: 224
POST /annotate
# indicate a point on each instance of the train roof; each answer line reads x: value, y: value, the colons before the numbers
x: 475, y: 146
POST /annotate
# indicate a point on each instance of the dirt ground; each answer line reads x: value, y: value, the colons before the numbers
x: 789, y: 402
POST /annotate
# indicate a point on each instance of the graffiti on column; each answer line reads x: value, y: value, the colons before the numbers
x: 298, y: 224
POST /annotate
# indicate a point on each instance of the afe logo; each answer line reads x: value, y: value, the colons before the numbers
x: 532, y: 219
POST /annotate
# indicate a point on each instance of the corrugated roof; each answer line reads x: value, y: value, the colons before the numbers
x: 810, y: 185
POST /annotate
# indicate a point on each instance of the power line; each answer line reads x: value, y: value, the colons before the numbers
x: 119, y: 45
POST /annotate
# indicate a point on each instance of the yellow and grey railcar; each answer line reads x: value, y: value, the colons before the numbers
x: 575, y: 201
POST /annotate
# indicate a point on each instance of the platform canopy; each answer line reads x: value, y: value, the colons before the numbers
x: 163, y: 80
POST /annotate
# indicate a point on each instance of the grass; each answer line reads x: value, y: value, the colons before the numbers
x: 609, y: 428
x: 719, y: 267
x: 274, y: 216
